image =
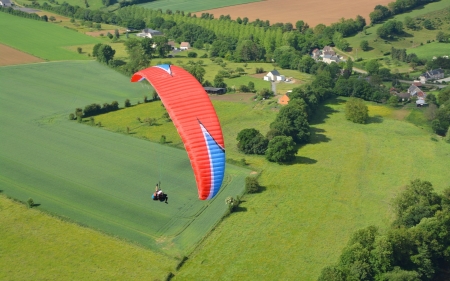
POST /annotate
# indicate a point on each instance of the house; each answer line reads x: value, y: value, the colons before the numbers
x: 284, y: 100
x: 217, y: 91
x: 416, y: 92
x: 172, y: 45
x: 316, y: 54
x: 327, y: 50
x: 330, y: 58
x: 432, y: 75
x: 185, y: 46
x: 403, y: 96
x: 5, y: 3
x: 149, y: 33
x: 274, y: 75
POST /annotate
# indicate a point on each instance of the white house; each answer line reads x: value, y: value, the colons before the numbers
x: 5, y: 3
x: 185, y: 46
x: 149, y: 33
x: 274, y: 75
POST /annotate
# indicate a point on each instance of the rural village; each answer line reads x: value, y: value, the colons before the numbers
x: 237, y: 140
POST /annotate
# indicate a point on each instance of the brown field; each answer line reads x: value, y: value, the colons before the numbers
x: 10, y: 56
x: 310, y: 11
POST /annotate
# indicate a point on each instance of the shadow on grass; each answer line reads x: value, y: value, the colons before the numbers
x: 317, y: 136
x: 35, y: 205
x: 324, y: 110
x: 303, y: 160
x: 375, y: 120
x: 239, y: 209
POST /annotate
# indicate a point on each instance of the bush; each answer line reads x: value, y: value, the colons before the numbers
x: 162, y: 140
x: 30, y: 203
x: 127, y: 103
x: 192, y: 55
x: 231, y: 202
x: 251, y: 185
x: 71, y: 116
x: 356, y: 111
x: 79, y: 50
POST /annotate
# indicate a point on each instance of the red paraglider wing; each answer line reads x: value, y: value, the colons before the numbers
x: 194, y: 117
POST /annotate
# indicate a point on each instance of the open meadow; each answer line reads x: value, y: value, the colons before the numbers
x: 415, y: 41
x: 310, y: 11
x: 92, y: 176
x: 343, y: 181
x: 42, y: 39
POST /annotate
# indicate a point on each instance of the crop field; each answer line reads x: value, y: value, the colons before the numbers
x: 42, y: 39
x: 12, y: 56
x: 309, y: 11
x: 343, y: 181
x: 193, y: 5
x: 92, y: 176
x: 412, y: 41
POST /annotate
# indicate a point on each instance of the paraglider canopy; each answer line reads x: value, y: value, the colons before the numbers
x: 194, y: 117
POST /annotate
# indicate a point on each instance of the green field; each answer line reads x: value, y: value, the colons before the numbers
x: 193, y: 5
x: 412, y: 41
x: 342, y: 181
x: 42, y: 39
x: 433, y: 49
x: 35, y: 244
x: 92, y: 176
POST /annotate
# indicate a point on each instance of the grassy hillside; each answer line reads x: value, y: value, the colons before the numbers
x: 42, y: 39
x: 342, y: 181
x: 92, y: 176
x: 35, y: 244
x: 412, y: 41
x: 193, y: 5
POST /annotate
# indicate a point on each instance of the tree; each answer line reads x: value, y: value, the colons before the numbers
x: 251, y: 141
x: 441, y: 37
x: 416, y: 202
x: 79, y: 50
x: 427, y: 24
x: 372, y: 67
x: 197, y: 71
x: 292, y: 120
x: 44, y: 18
x: 281, y: 149
x: 364, y: 45
x: 116, y: 33
x: 356, y: 111
x: 251, y: 184
x: 52, y: 18
x: 218, y: 82
x: 105, y: 54
x: 393, y: 100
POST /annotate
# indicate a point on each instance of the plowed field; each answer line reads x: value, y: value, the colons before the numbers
x: 12, y: 56
x: 310, y: 11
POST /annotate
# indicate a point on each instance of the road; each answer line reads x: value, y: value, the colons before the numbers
x: 440, y: 86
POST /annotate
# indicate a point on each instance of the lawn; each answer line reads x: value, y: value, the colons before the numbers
x: 193, y: 5
x: 430, y: 50
x: 343, y: 181
x: 100, y: 179
x: 42, y: 39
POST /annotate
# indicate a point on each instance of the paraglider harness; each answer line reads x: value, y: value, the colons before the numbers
x: 159, y: 195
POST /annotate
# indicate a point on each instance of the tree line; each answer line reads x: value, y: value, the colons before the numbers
x: 22, y: 14
x: 381, y: 12
x: 415, y: 247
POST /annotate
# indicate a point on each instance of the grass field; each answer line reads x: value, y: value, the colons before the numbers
x: 92, y: 176
x: 35, y: 244
x: 433, y: 49
x: 411, y: 41
x: 193, y: 5
x: 42, y: 39
x: 342, y: 181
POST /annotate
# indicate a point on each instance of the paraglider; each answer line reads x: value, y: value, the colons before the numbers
x: 197, y: 123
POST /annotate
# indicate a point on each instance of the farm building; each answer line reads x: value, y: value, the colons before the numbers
x: 326, y: 54
x: 284, y: 100
x: 274, y: 75
x: 415, y: 91
x: 212, y: 90
x: 5, y: 3
x: 185, y: 46
x: 432, y: 75
x: 149, y: 33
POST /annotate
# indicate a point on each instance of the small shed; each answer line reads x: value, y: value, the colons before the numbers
x: 284, y: 100
x: 217, y: 91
